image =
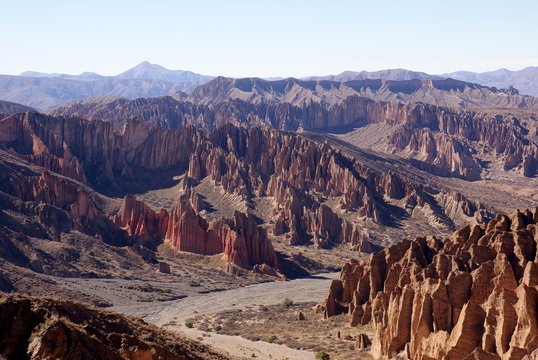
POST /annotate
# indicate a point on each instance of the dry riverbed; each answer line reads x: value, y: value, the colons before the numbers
x: 252, y: 326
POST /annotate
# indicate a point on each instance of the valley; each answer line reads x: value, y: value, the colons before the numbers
x: 165, y: 214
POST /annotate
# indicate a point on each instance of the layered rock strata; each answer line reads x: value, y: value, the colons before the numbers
x: 240, y: 240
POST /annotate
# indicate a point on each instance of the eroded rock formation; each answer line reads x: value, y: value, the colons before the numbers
x: 35, y: 328
x: 452, y: 142
x: 473, y: 295
x: 141, y: 222
x: 240, y: 240
x: 313, y: 184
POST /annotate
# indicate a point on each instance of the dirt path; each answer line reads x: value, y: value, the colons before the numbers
x: 173, y: 314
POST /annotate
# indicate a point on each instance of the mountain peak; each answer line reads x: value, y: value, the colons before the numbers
x: 146, y: 70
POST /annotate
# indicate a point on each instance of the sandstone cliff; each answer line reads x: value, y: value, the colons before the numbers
x: 470, y: 296
x: 453, y: 142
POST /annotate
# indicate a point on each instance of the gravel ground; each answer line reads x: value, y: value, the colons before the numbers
x: 173, y: 314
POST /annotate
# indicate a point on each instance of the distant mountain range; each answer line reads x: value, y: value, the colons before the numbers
x: 525, y: 81
x: 441, y: 92
x: 143, y: 71
x: 44, y: 90
x: 389, y: 74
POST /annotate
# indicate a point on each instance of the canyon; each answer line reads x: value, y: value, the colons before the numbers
x: 447, y: 141
x: 115, y: 201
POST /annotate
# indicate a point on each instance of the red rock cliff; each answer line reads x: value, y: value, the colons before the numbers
x: 141, y: 222
x: 473, y: 295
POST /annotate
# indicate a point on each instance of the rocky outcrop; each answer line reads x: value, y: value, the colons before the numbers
x: 35, y: 328
x: 244, y: 243
x: 240, y: 240
x: 448, y: 155
x: 187, y: 231
x: 55, y: 190
x: 472, y: 295
x: 362, y: 342
x: 141, y: 222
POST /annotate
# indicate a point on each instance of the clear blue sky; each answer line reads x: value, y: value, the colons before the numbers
x: 267, y: 38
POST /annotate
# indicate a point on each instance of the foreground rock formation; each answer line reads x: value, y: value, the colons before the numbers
x: 35, y: 328
x: 473, y: 295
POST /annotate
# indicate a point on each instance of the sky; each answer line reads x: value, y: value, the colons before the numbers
x: 267, y: 38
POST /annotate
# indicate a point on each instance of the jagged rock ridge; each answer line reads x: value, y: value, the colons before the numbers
x: 299, y: 174
x: 444, y: 141
x: 470, y: 296
x: 443, y: 92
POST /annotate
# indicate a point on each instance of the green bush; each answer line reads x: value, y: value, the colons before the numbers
x: 193, y: 283
x: 287, y: 302
x: 217, y: 328
x: 189, y: 325
x: 227, y: 322
x: 271, y: 338
x: 322, y: 355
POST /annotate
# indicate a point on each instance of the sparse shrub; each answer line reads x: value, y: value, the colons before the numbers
x: 193, y: 283
x: 227, y: 322
x: 322, y: 355
x: 167, y: 290
x: 189, y: 325
x: 271, y: 338
x: 217, y: 328
x: 264, y: 308
x: 253, y: 355
x: 287, y: 302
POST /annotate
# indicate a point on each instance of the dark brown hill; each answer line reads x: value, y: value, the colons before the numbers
x: 38, y: 328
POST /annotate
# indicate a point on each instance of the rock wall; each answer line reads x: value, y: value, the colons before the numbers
x: 448, y: 138
x: 102, y: 157
x: 473, y: 295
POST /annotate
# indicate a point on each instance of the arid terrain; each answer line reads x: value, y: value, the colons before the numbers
x: 205, y: 309
x: 286, y: 219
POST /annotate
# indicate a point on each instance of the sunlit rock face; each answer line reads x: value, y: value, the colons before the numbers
x: 473, y: 295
